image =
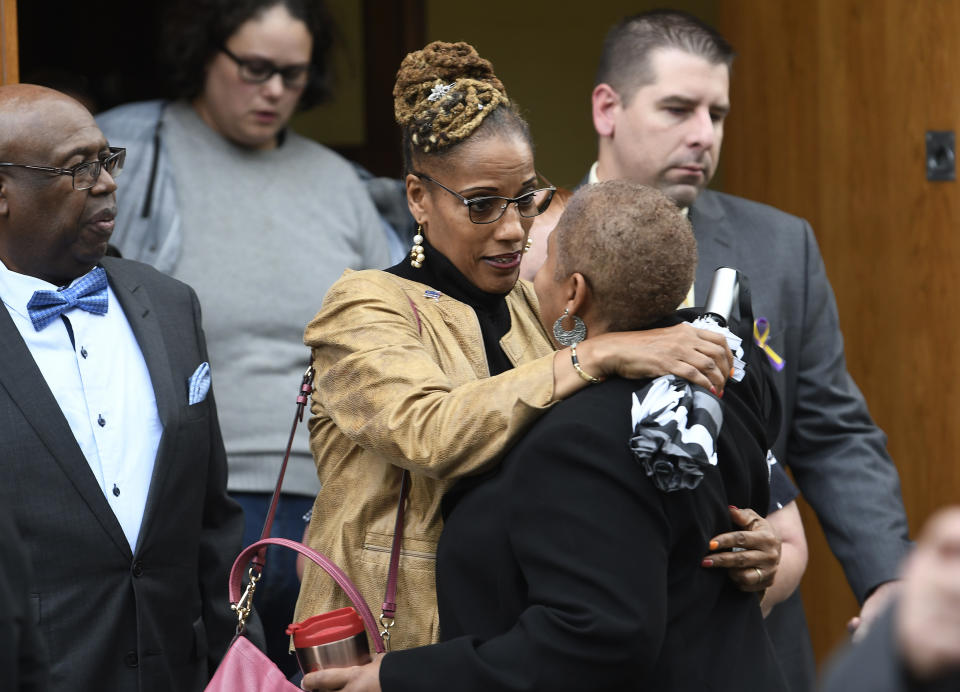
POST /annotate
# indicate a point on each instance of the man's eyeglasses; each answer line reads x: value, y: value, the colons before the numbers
x: 258, y: 71
x: 86, y: 174
x: 490, y: 208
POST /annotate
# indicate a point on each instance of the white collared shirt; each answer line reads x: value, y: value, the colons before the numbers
x: 104, y: 390
x: 689, y: 301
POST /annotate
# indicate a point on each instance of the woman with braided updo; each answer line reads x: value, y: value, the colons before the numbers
x: 439, y: 364
x: 576, y: 563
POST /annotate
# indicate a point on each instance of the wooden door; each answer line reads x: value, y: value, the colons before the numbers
x: 831, y: 101
x: 8, y: 42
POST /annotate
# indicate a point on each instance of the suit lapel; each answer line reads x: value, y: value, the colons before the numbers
x: 28, y: 390
x: 146, y: 328
x: 715, y: 239
x: 144, y: 322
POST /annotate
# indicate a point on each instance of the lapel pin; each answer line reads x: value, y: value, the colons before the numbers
x: 761, y: 335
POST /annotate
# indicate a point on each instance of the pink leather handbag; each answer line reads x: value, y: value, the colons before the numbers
x: 245, y: 668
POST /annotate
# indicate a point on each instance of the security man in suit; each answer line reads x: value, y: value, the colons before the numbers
x: 112, y: 459
x: 659, y: 104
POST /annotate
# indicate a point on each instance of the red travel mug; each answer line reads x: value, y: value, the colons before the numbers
x: 332, y: 640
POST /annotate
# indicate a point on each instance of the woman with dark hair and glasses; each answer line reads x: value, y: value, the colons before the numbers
x: 220, y: 193
x: 440, y: 364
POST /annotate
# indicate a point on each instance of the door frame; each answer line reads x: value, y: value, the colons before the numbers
x: 9, y: 50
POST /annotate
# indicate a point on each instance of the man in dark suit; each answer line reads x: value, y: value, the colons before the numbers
x: 659, y: 104
x: 22, y: 653
x: 112, y: 459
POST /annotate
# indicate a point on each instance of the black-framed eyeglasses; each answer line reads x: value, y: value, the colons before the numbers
x: 490, y: 208
x: 86, y: 174
x: 258, y: 71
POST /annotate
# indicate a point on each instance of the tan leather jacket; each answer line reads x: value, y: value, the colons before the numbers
x: 389, y: 394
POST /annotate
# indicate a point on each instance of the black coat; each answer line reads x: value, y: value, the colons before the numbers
x: 567, y: 569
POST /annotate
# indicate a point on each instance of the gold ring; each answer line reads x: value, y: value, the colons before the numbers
x: 759, y: 574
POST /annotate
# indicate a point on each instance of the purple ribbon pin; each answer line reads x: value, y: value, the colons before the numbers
x: 761, y: 333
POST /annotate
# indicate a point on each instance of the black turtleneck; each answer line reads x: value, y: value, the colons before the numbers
x: 491, y: 309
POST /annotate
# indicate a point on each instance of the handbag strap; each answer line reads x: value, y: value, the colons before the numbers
x: 259, y: 559
x: 389, y: 608
x: 321, y: 560
x: 303, y: 396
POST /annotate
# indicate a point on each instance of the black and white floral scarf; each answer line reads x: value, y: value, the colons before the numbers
x: 675, y: 428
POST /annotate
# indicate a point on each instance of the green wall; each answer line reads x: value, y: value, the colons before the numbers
x: 340, y: 123
x: 545, y: 53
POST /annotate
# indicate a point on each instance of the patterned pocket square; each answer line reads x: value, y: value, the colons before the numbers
x: 199, y: 384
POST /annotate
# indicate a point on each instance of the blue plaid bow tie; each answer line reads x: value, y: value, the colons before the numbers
x: 88, y: 293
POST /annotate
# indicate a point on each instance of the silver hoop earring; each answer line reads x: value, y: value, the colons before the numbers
x: 573, y: 336
x: 416, y: 252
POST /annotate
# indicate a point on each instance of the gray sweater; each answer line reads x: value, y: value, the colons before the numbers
x: 261, y: 236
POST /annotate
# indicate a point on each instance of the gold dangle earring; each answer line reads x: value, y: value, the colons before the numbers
x: 416, y: 252
x: 526, y: 248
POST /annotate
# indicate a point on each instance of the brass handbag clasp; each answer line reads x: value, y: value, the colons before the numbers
x: 244, y: 606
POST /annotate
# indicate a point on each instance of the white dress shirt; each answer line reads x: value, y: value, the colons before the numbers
x: 104, y: 390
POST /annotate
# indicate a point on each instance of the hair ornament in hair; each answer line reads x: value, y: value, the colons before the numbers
x: 440, y: 90
x: 443, y: 93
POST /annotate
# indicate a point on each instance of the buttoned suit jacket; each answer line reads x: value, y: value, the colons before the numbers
x: 828, y: 440
x: 22, y: 653
x: 155, y: 618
